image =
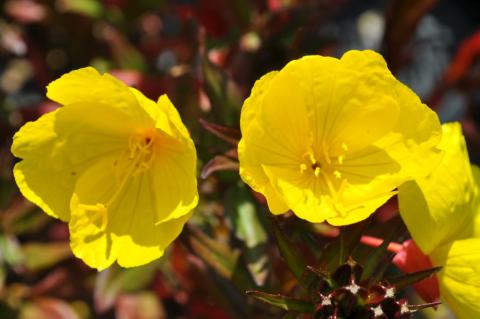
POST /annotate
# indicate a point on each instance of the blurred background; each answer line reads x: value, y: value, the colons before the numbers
x: 206, y: 55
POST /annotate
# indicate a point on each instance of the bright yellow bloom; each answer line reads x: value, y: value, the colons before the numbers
x: 441, y: 212
x: 332, y: 139
x: 118, y: 167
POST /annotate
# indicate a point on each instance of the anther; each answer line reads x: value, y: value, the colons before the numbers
x: 100, y: 213
x: 303, y: 168
x: 337, y: 174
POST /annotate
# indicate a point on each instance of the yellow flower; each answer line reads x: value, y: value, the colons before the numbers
x: 118, y: 167
x: 331, y: 139
x: 441, y: 212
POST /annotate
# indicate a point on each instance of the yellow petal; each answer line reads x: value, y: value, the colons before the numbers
x: 115, y: 218
x: 174, y: 172
x: 361, y: 210
x: 87, y: 85
x: 148, y: 242
x: 251, y: 170
x: 368, y: 174
x: 430, y: 205
x: 59, y: 146
x: 312, y: 199
x: 413, y: 141
x: 329, y: 135
x: 362, y: 106
x: 308, y: 197
x: 321, y: 101
x: 173, y: 177
x: 164, y: 115
x: 169, y: 109
x: 41, y: 178
x: 476, y: 200
x: 460, y: 277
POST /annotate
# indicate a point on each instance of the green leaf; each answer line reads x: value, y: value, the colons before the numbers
x: 242, y: 214
x: 10, y: 250
x: 110, y: 283
x: 380, y: 259
x: 6, y: 312
x: 144, y: 305
x: 28, y: 221
x: 223, y: 93
x: 6, y: 191
x: 242, y: 10
x: 377, y: 262
x: 424, y: 306
x: 290, y: 315
x: 89, y: 8
x: 3, y: 277
x: 23, y: 217
x: 289, y: 251
x: 338, y: 251
x: 48, y: 308
x: 224, y: 260
x: 39, y: 256
x: 406, y: 280
x: 283, y: 302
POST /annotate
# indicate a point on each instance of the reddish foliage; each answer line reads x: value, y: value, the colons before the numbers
x: 411, y: 259
x: 463, y: 60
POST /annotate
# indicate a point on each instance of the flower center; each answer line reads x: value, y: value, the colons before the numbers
x: 326, y: 167
x: 141, y: 147
x: 141, y: 152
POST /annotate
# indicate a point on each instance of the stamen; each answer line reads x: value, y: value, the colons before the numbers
x: 141, y: 154
x: 326, y: 152
x: 309, y: 157
x: 303, y: 168
x: 328, y: 182
x: 340, y: 159
x: 100, y: 214
x: 342, y: 188
x: 337, y: 174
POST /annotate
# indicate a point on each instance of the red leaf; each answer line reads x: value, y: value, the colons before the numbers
x: 411, y: 259
x: 228, y: 134
x: 219, y: 163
